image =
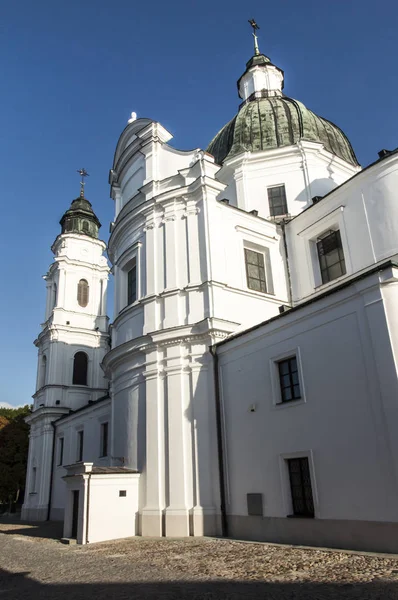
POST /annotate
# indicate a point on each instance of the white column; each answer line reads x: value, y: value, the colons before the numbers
x: 194, y: 273
x: 152, y: 514
x: 205, y: 449
x: 179, y: 456
x: 170, y: 256
x: 61, y: 288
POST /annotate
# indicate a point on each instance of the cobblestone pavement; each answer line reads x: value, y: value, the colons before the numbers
x: 34, y: 564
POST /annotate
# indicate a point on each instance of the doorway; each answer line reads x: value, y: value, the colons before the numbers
x: 75, y: 513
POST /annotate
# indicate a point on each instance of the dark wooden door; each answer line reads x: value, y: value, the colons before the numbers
x: 75, y: 513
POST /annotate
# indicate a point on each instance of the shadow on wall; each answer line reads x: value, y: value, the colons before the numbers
x: 319, y: 187
x: 19, y: 585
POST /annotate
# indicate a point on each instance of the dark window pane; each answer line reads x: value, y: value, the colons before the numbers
x: 82, y: 292
x: 132, y: 285
x: 300, y: 486
x: 331, y: 256
x: 61, y: 451
x: 286, y: 394
x: 80, y: 442
x: 277, y: 201
x: 104, y: 439
x: 255, y: 271
x: 289, y: 379
x: 80, y: 364
x: 296, y: 392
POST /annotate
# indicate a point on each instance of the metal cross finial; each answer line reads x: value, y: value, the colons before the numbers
x: 83, y: 173
x: 255, y: 28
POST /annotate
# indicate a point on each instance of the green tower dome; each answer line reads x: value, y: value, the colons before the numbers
x: 267, y: 119
x: 80, y: 218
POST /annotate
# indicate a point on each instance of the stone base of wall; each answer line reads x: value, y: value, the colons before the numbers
x: 34, y: 514
x: 369, y: 536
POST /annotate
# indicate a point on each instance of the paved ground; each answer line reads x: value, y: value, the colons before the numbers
x: 35, y: 565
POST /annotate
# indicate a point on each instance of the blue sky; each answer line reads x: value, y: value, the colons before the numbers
x: 73, y: 70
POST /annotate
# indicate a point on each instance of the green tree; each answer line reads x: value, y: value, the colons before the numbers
x: 14, y: 443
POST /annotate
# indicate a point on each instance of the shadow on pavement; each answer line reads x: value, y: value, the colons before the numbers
x: 44, y: 529
x: 15, y: 586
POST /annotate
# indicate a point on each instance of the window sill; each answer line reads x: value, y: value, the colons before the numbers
x: 278, y: 405
x: 324, y: 286
x: 261, y: 294
x: 300, y: 516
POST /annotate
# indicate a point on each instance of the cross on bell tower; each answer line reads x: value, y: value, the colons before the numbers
x: 83, y: 173
x: 255, y: 29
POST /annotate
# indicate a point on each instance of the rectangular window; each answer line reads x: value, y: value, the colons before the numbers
x: 289, y: 379
x: 255, y: 271
x: 300, y: 486
x: 60, y: 451
x: 132, y: 284
x: 80, y: 442
x: 104, y: 439
x: 331, y: 256
x: 277, y: 201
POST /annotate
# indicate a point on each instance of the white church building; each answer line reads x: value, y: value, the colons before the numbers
x: 247, y: 385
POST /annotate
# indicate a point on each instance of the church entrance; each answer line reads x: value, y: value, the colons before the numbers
x: 75, y: 513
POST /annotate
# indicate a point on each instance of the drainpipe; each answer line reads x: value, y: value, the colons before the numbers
x: 289, y: 280
x: 50, y: 492
x: 88, y: 505
x: 224, y: 520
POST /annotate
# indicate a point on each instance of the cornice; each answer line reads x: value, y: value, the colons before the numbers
x: 206, y: 331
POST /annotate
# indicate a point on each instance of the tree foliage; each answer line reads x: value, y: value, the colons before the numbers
x: 14, y: 442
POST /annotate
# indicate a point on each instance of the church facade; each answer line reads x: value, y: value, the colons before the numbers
x: 247, y: 385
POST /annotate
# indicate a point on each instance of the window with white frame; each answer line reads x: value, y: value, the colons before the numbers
x: 60, y: 451
x: 277, y: 200
x: 289, y: 381
x: 258, y: 268
x: 300, y: 487
x: 129, y: 288
x: 330, y: 255
x: 104, y: 440
x: 132, y: 282
x: 80, y: 445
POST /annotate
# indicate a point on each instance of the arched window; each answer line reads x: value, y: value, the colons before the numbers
x: 85, y: 226
x: 80, y: 364
x: 54, y: 295
x: 43, y: 373
x: 82, y: 292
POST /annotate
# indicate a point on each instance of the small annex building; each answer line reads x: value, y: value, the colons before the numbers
x: 247, y: 385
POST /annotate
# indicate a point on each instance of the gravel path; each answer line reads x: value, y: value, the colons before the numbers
x: 34, y: 566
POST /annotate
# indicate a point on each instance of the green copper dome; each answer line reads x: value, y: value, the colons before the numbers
x: 268, y: 119
x: 275, y: 122
x: 80, y: 218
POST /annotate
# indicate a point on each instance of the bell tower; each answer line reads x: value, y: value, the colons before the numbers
x: 73, y: 341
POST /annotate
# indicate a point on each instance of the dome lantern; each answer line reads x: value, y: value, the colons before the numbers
x: 80, y: 217
x: 267, y: 119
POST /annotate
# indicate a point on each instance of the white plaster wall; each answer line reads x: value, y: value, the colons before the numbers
x: 365, y: 211
x: 345, y: 424
x: 111, y: 516
x: 306, y: 169
x: 89, y: 421
x: 128, y: 420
